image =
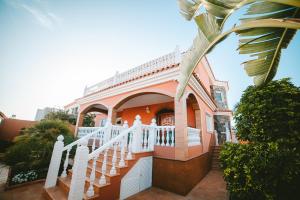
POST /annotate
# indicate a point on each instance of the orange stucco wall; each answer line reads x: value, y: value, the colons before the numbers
x: 167, y: 88
x: 191, y: 116
x: 98, y: 118
x: 130, y: 113
x: 202, y: 73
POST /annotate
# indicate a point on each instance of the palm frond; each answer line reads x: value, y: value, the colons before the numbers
x: 201, y: 46
x: 263, y: 41
x: 188, y: 8
x: 265, y: 44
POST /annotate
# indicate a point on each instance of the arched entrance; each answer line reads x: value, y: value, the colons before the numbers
x: 93, y: 115
x: 146, y: 104
x: 193, y: 112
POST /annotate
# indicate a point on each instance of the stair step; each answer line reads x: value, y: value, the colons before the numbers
x: 56, y: 193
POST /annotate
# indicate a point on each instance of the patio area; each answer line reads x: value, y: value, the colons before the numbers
x: 212, y: 187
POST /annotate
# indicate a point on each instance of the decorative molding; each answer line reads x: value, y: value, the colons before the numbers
x: 194, y: 84
x: 169, y: 59
x: 164, y: 76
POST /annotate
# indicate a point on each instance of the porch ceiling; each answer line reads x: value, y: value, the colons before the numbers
x: 144, y: 100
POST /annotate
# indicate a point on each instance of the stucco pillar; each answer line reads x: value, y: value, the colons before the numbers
x: 198, y: 119
x: 181, y: 140
x: 112, y: 115
x: 79, y: 122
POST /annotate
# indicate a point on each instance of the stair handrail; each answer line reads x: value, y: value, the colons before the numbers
x: 85, y: 137
x: 111, y: 142
x: 83, y: 157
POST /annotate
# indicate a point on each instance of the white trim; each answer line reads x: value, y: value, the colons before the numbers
x: 201, y: 92
x: 209, y: 123
x: 229, y: 113
x: 212, y: 77
x: 161, y: 77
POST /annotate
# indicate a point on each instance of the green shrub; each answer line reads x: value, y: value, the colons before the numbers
x: 269, y: 113
x: 33, y: 149
x: 268, y: 166
x: 261, y: 171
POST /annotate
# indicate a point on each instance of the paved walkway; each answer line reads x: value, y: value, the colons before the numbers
x: 30, y: 192
x: 212, y: 187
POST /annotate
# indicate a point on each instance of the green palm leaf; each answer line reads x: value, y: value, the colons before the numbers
x: 202, y: 46
x: 264, y: 43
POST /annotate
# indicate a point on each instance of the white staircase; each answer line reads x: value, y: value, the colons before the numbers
x: 103, y: 157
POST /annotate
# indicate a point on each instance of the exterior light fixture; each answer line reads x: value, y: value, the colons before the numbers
x: 147, y: 110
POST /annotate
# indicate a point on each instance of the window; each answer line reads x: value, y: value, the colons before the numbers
x: 209, y: 123
x: 219, y: 96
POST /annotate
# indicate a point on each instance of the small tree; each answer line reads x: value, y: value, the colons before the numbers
x: 33, y: 149
x: 268, y: 166
x: 89, y: 120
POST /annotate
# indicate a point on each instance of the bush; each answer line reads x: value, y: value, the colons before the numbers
x: 268, y: 166
x: 261, y: 171
x: 269, y: 113
x: 33, y: 149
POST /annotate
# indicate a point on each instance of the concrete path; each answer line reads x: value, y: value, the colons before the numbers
x: 212, y: 187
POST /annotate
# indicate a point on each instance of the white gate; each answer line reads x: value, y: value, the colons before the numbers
x: 137, y: 179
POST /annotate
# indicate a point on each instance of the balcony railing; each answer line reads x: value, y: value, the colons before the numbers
x: 148, y: 67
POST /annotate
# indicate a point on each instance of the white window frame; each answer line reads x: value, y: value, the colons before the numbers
x: 209, y: 123
x: 222, y: 95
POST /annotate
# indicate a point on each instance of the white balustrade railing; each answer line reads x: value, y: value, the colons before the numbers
x: 193, y: 136
x: 118, y: 140
x: 166, y: 60
x: 165, y: 135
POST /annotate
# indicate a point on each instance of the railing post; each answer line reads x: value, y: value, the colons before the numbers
x: 152, y: 134
x: 79, y: 172
x: 55, y: 162
x: 107, y: 131
x: 137, y: 135
x: 228, y: 137
x: 216, y: 138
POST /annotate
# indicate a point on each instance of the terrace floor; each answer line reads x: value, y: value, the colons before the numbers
x: 212, y: 187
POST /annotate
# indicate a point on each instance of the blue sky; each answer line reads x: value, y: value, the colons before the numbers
x: 50, y: 50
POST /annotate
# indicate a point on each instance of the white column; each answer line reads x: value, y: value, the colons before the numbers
x: 216, y: 138
x: 228, y: 137
x: 152, y: 135
x: 137, y: 135
x: 55, y: 162
x: 79, y: 172
x: 107, y: 131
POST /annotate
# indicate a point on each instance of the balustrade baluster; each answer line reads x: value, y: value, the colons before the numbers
x: 157, y: 136
x: 64, y: 173
x: 122, y: 161
x: 129, y: 154
x: 90, y: 192
x: 163, y: 136
x: 145, y: 139
x: 167, y: 137
x: 102, y: 180
x: 114, y: 160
